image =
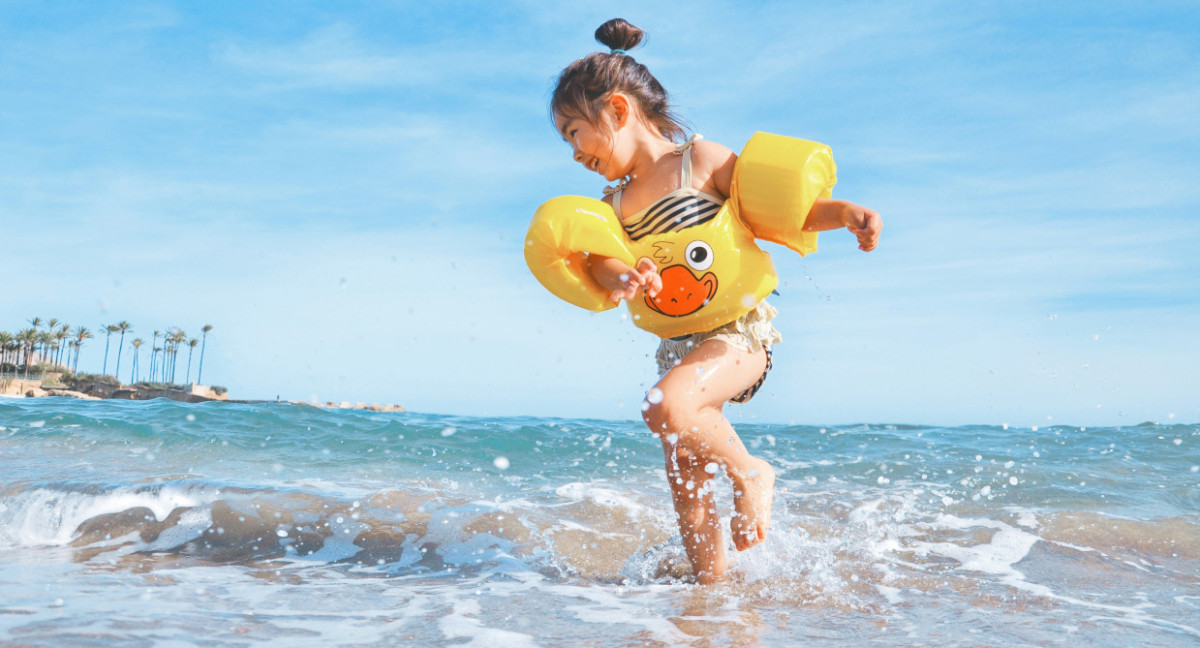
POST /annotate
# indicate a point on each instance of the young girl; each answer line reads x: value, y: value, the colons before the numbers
x: 616, y: 117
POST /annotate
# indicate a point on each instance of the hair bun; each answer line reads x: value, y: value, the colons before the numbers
x: 619, y: 34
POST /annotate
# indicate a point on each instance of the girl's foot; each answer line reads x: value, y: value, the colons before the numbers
x: 752, y: 499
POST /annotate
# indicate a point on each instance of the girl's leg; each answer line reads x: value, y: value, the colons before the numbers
x: 696, y: 510
x: 695, y: 434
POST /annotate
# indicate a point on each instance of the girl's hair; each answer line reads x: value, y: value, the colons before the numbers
x: 584, y: 85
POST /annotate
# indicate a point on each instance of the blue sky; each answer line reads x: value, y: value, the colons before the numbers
x: 341, y: 190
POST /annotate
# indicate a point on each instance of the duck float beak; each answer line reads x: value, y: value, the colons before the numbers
x: 682, y: 292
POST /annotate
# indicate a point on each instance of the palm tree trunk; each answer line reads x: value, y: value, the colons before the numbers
x: 117, y: 371
x: 104, y: 371
x: 203, y: 344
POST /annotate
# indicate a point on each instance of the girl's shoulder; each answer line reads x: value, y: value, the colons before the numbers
x: 712, y: 166
x: 704, y: 151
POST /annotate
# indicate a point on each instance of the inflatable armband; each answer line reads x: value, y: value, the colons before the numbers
x: 563, y: 232
x: 775, y: 183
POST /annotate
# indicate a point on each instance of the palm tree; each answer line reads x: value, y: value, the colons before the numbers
x: 168, y: 368
x: 124, y: 328
x: 178, y: 337
x: 5, y: 338
x: 81, y: 333
x: 203, y: 342
x: 108, y: 331
x: 28, y: 339
x: 61, y: 335
x: 6, y: 343
x: 46, y: 341
x: 49, y: 344
x: 137, y: 343
x: 153, y: 355
x: 191, y: 347
x: 52, y: 329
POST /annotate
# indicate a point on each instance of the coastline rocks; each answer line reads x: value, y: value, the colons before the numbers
x: 347, y: 405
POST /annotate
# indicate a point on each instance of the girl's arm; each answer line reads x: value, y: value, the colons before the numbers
x: 829, y: 214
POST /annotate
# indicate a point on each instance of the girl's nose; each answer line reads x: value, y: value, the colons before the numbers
x: 577, y: 155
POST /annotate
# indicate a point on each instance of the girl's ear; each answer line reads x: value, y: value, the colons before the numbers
x: 621, y: 108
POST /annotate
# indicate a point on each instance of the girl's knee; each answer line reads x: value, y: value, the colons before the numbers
x: 667, y: 415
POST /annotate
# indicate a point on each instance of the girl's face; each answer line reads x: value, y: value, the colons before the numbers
x: 593, y: 145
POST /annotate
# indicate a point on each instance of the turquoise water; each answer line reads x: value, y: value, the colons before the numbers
x: 167, y: 524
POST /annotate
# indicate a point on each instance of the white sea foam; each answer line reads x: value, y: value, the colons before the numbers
x: 462, y: 623
x: 604, y: 495
x: 49, y: 517
x: 606, y: 608
x: 1007, y: 547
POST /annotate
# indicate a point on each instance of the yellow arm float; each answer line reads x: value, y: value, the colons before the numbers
x: 775, y: 183
x: 564, y: 231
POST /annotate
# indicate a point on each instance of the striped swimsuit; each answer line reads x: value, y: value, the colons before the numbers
x: 683, y: 208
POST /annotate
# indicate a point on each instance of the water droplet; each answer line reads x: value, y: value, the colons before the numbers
x: 654, y: 396
x: 190, y: 417
x: 711, y: 467
x: 501, y: 463
x: 449, y: 431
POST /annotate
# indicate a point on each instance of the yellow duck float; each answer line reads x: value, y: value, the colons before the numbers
x: 712, y: 273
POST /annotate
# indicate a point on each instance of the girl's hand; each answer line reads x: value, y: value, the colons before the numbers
x: 865, y: 224
x: 622, y: 281
x: 649, y: 272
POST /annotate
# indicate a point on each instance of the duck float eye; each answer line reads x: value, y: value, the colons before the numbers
x: 699, y: 255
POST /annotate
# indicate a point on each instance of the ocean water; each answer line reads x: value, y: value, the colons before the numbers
x: 167, y: 524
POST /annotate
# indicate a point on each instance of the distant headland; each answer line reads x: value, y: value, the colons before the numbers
x: 43, y: 360
x: 91, y: 387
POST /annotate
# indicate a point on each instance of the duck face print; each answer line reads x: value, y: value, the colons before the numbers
x: 687, y: 287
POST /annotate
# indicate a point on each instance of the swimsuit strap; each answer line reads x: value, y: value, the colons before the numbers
x: 615, y: 192
x: 685, y: 149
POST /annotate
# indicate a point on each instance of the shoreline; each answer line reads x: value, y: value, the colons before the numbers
x: 193, y: 393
